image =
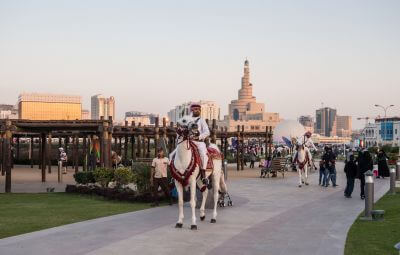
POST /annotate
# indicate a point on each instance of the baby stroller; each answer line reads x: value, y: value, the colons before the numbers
x: 224, y: 199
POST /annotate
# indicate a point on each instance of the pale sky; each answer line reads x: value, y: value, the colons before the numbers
x: 153, y: 55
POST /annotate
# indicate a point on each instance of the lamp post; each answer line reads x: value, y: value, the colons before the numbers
x: 384, y: 121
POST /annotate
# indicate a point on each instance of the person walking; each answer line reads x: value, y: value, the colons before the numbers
x: 365, y: 163
x: 252, y: 158
x: 158, y: 176
x: 351, y: 172
x: 383, y: 168
x: 62, y: 160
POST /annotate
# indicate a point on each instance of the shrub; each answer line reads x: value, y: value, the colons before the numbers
x: 103, y: 176
x: 123, y: 176
x: 84, y: 177
x: 141, y: 176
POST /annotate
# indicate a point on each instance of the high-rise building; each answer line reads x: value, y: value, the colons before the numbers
x: 307, y: 122
x: 102, y: 107
x: 325, y: 121
x: 85, y: 114
x: 141, y: 117
x: 246, y: 111
x: 344, y: 126
x: 8, y: 111
x: 35, y: 106
x: 209, y: 110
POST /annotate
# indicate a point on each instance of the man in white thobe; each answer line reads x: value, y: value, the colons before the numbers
x: 201, y: 135
x: 307, y: 141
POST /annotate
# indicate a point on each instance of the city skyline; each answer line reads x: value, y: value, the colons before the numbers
x: 150, y: 59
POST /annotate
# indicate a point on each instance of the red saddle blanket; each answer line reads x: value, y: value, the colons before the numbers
x: 212, y: 154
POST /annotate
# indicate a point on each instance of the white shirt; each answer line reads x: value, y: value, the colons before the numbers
x: 307, y: 142
x: 203, y: 127
x: 160, y: 166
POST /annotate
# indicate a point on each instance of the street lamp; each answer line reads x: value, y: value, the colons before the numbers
x: 384, y: 121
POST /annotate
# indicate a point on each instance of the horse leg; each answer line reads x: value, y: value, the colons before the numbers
x: 193, y: 201
x: 203, y: 205
x: 216, y: 178
x: 300, y: 177
x: 306, y: 175
x: 179, y: 188
x: 222, y: 183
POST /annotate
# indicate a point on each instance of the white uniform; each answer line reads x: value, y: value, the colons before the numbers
x: 204, y: 133
x: 308, y: 143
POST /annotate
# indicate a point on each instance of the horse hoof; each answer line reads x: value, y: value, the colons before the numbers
x: 213, y: 221
x: 307, y: 183
x: 178, y: 225
x: 202, y: 218
x: 193, y: 227
x: 299, y: 186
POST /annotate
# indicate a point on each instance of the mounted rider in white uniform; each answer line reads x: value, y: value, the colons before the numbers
x: 202, y: 133
x: 307, y: 141
x: 201, y: 130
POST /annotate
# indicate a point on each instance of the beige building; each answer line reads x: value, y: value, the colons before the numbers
x: 343, y: 126
x: 102, y: 107
x: 246, y: 110
x: 209, y: 110
x: 35, y: 106
x: 85, y: 114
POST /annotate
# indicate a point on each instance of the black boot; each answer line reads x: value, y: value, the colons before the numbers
x: 203, y: 177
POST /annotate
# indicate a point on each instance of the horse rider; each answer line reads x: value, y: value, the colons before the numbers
x: 307, y: 141
x: 201, y: 132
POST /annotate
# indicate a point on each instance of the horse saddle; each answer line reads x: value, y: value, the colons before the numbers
x: 212, y: 154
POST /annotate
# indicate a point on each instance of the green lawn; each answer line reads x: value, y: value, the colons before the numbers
x: 377, y: 237
x: 23, y: 213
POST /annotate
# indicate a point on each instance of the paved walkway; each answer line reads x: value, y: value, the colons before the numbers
x: 269, y: 216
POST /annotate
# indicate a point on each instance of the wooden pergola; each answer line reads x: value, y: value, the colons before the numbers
x: 137, y: 138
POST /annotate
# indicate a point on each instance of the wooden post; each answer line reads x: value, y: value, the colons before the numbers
x: 156, y: 137
x: 266, y: 142
x: 238, y: 148
x: 270, y: 141
x: 120, y: 146
x: 214, y: 131
x: 48, y: 153
x: 17, y: 154
x: 133, y: 151
x: 106, y: 146
x: 148, y: 147
x: 139, y: 143
x: 66, y: 142
x: 31, y: 151
x: 85, y: 155
x: 7, y: 136
x: 1, y: 154
x: 40, y: 152
x: 76, y: 153
x: 43, y: 157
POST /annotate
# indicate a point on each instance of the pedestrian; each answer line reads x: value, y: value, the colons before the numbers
x: 252, y: 158
x: 158, y: 176
x: 351, y: 172
x: 365, y: 164
x: 62, y: 160
x: 329, y: 165
x: 322, y: 177
x: 383, y: 168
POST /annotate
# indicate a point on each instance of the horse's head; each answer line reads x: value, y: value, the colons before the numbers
x: 186, y: 127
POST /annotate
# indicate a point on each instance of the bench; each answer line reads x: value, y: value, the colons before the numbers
x: 277, y: 165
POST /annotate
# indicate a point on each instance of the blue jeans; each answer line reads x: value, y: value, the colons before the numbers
x: 331, y: 176
x: 349, y: 187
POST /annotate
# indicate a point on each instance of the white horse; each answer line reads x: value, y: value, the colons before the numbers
x: 186, y: 173
x: 302, y: 161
